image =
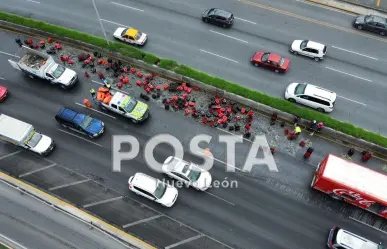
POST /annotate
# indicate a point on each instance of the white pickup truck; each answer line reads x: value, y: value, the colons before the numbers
x: 40, y: 65
x: 24, y: 135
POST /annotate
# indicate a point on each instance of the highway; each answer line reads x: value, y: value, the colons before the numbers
x: 28, y: 223
x: 263, y: 212
x: 354, y: 67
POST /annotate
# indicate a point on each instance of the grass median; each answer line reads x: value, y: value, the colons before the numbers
x: 133, y: 52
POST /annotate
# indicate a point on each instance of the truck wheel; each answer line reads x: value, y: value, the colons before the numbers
x: 31, y: 76
x: 63, y: 86
x: 134, y: 121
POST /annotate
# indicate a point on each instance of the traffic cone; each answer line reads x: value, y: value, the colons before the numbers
x: 87, y: 103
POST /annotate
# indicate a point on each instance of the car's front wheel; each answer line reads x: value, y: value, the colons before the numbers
x: 320, y: 110
x: 359, y: 27
x: 295, y: 53
x: 292, y: 100
x: 256, y: 64
x: 276, y: 71
x: 205, y: 20
x: 382, y: 33
x: 317, y: 59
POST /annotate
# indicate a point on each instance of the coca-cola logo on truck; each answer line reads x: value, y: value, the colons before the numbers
x: 354, y: 195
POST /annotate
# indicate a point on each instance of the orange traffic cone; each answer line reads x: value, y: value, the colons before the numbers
x: 87, y: 103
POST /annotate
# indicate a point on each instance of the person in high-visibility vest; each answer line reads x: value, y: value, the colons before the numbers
x: 92, y: 92
x: 108, y: 86
x: 297, y: 130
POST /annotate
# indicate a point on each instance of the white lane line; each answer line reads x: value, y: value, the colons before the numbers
x: 12, y: 241
x: 1, y: 78
x: 218, y: 55
x: 126, y: 6
x: 245, y: 20
x: 1, y: 52
x: 348, y: 74
x: 115, y: 23
x: 360, y: 103
x: 232, y: 204
x: 184, y: 241
x: 32, y: 1
x: 349, y: 51
x: 368, y: 225
x: 10, y: 154
x: 142, y: 221
x: 95, y: 110
x: 102, y: 202
x: 232, y: 37
x: 69, y: 184
x: 80, y: 137
x: 37, y: 170
x: 232, y: 166
x: 325, y: 7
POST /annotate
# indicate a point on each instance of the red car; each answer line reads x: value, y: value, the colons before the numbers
x: 271, y: 60
x: 3, y: 93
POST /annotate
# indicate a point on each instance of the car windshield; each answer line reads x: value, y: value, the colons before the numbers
x: 265, y: 57
x: 303, y: 44
x: 194, y: 175
x: 34, y: 140
x: 138, y: 36
x: 368, y: 18
x: 300, y: 89
x: 124, y: 32
x: 160, y: 190
x: 130, y: 105
x: 58, y: 71
x: 86, y: 122
x: 282, y: 61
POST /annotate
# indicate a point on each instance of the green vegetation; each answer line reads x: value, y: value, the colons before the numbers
x: 129, y: 51
x: 3, y: 247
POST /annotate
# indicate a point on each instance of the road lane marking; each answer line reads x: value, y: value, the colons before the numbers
x: 10, y: 154
x: 126, y: 6
x: 232, y: 166
x: 360, y: 103
x: 12, y: 241
x: 232, y: 204
x: 32, y: 1
x: 245, y: 20
x: 1, y: 52
x: 184, y: 241
x: 348, y: 74
x: 115, y: 23
x: 218, y: 55
x: 79, y: 137
x: 232, y: 37
x: 283, y: 12
x: 37, y: 170
x: 349, y: 51
x: 95, y: 110
x: 102, y: 202
x: 142, y: 221
x: 325, y: 7
x: 69, y: 184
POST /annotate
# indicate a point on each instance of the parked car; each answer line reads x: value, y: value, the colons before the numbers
x: 316, y: 97
x: 371, y: 23
x: 80, y: 123
x: 311, y: 49
x: 270, y: 60
x: 218, y: 17
x: 130, y: 36
x: 3, y: 93
x: 342, y: 239
x: 153, y: 189
x: 188, y: 173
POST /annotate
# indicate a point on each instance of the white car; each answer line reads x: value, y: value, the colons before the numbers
x: 311, y: 49
x: 188, y: 173
x: 342, y: 239
x: 153, y: 189
x: 131, y: 36
x: 316, y: 97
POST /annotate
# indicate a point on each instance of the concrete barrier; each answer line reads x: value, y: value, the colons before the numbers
x: 264, y: 109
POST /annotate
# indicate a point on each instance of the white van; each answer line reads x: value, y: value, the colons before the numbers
x: 342, y: 239
x: 24, y: 135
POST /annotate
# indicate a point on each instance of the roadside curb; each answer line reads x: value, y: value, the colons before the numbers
x: 333, y: 6
x: 365, y: 6
x: 5, y: 245
x: 81, y: 214
x: 327, y: 133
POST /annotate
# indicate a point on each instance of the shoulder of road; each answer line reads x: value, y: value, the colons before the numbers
x: 360, y: 7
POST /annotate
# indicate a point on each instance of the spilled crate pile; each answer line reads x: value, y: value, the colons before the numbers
x: 209, y: 109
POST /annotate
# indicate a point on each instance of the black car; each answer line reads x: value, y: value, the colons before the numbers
x: 375, y: 24
x: 219, y: 17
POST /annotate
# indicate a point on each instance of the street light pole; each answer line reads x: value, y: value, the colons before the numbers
x: 100, y: 22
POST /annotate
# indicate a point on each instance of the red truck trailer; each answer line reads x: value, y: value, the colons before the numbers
x: 352, y: 183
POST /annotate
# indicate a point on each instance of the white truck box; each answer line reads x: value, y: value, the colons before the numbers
x: 24, y: 135
x: 40, y: 65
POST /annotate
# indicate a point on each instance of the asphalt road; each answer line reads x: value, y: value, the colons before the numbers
x: 261, y: 213
x: 354, y: 67
x: 29, y: 223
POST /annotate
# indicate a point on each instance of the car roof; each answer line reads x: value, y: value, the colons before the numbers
x: 379, y: 19
x: 315, y: 45
x: 274, y: 57
x: 145, y: 182
x: 131, y: 32
x: 323, y: 93
x: 178, y: 165
x: 354, y: 241
x: 71, y: 115
x: 221, y: 12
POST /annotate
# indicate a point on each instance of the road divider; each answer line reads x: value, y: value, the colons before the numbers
x: 335, y: 130
x: 76, y: 212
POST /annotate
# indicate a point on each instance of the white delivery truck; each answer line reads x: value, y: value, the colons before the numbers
x: 40, y: 65
x: 24, y: 135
